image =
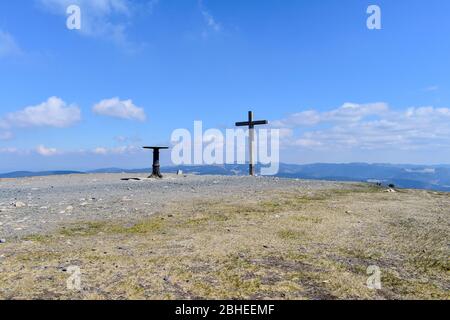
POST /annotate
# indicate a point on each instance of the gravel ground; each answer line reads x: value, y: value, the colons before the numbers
x: 40, y: 204
x: 213, y: 237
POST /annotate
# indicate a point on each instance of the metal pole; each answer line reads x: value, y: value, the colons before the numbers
x: 156, y: 167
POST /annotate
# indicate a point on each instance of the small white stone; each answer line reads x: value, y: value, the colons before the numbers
x: 69, y: 208
x: 19, y: 204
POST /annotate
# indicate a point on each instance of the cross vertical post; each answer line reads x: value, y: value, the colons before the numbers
x: 251, y: 142
x: 251, y: 138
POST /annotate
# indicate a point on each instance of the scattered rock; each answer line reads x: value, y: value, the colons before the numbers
x: 69, y: 208
x: 84, y: 204
x: 349, y: 212
x: 390, y: 190
x: 2, y: 240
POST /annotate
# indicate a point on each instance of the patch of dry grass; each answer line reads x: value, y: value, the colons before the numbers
x: 284, y: 245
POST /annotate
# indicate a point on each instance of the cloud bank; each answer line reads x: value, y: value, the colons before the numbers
x: 367, y: 127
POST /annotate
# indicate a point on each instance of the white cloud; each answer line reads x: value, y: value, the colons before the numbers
x: 89, y: 8
x: 107, y: 19
x: 431, y: 88
x: 115, y: 151
x: 100, y: 150
x: 127, y: 139
x: 209, y: 19
x: 6, y: 135
x: 348, y: 112
x: 8, y: 45
x: 124, y: 109
x: 46, y: 152
x: 9, y: 150
x: 307, y: 143
x: 368, y: 127
x: 52, y: 113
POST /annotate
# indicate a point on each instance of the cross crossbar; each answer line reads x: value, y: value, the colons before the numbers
x: 249, y: 124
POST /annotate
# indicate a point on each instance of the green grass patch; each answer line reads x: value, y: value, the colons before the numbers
x: 291, y: 235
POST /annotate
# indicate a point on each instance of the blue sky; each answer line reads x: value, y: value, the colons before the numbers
x: 137, y: 70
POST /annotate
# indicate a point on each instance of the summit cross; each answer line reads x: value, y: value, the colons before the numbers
x: 251, y: 126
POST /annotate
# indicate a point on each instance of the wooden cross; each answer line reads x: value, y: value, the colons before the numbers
x: 251, y: 138
x: 156, y: 172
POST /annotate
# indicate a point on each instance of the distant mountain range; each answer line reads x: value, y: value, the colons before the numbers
x: 435, y: 177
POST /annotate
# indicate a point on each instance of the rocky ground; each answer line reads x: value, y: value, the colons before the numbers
x: 197, y: 237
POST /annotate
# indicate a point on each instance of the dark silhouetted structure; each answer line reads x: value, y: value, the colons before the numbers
x: 156, y: 170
